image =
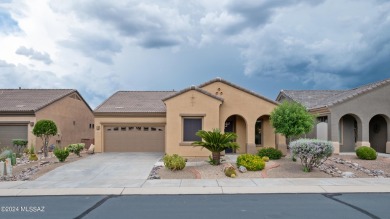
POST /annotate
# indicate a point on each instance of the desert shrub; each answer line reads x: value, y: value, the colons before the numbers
x: 265, y: 158
x: 6, y: 153
x: 61, y: 154
x: 271, y: 153
x: 174, y: 162
x: 251, y: 162
x: 312, y: 152
x: 76, y: 148
x: 230, y: 172
x: 366, y: 153
x: 33, y: 157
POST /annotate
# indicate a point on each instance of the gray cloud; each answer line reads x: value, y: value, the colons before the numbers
x: 98, y: 47
x: 326, y: 44
x: 35, y: 55
x: 148, y: 24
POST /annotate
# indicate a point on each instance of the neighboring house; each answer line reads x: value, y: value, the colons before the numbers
x: 20, y: 109
x: 349, y: 118
x: 166, y: 121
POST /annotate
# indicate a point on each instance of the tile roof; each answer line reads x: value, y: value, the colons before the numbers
x: 313, y: 99
x: 29, y: 100
x: 135, y: 102
x: 194, y: 88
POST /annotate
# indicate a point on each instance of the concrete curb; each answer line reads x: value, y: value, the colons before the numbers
x: 210, y: 186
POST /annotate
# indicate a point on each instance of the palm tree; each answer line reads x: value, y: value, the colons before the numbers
x: 215, y: 141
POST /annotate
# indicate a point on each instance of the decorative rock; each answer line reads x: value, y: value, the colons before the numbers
x: 242, y: 169
x: 348, y: 175
x: 43, y: 162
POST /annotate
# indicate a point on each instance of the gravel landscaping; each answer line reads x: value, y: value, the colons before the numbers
x: 347, y: 166
x: 30, y: 170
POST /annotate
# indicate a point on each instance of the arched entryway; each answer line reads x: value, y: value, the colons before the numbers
x: 350, y: 131
x: 378, y: 133
x: 264, y: 133
x: 237, y: 124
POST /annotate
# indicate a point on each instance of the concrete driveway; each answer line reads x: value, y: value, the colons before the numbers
x: 104, y: 170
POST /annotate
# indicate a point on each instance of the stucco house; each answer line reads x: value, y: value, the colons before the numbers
x: 349, y: 118
x: 166, y: 121
x: 20, y: 109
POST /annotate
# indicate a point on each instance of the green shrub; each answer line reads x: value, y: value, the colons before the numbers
x: 251, y: 162
x: 76, y: 148
x: 366, y: 153
x: 174, y: 162
x: 230, y: 172
x: 311, y: 152
x: 61, y: 154
x: 271, y: 153
x: 33, y: 157
x: 265, y: 158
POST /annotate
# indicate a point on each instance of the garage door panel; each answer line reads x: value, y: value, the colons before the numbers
x: 134, y: 139
x: 9, y: 132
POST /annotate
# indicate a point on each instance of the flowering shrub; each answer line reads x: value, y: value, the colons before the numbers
x: 76, y: 148
x: 366, y: 153
x: 251, y: 162
x: 312, y: 152
x: 174, y: 162
x: 271, y: 153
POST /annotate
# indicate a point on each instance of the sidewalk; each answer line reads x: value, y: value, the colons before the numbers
x: 206, y: 186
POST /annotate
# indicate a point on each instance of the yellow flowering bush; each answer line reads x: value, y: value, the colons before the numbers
x: 251, y: 162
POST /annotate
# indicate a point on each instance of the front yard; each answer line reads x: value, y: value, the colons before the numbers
x: 347, y: 166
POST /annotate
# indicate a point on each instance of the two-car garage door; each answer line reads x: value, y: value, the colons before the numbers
x: 134, y: 138
x: 9, y: 132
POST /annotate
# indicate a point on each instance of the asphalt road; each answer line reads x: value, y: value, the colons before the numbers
x: 372, y: 205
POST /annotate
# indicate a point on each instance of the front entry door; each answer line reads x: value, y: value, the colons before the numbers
x: 229, y: 127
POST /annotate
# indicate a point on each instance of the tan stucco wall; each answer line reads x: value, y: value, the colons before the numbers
x: 63, y: 112
x: 247, y: 107
x: 100, y: 122
x: 191, y: 103
x: 250, y: 107
x: 30, y: 137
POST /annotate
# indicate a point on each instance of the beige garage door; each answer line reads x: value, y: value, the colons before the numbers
x: 129, y: 138
x: 9, y: 132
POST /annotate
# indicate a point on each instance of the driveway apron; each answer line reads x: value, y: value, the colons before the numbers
x: 104, y: 170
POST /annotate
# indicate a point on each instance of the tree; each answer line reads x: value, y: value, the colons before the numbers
x: 216, y: 142
x: 291, y: 119
x: 45, y: 129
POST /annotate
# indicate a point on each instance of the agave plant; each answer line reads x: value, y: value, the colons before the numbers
x: 215, y: 141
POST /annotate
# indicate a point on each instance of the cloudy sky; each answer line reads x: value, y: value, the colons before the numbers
x: 99, y: 47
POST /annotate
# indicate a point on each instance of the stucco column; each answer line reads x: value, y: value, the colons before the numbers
x: 333, y: 132
x: 365, y: 139
x: 388, y: 137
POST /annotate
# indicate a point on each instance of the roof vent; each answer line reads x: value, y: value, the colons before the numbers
x: 20, y: 106
x: 119, y: 107
x: 193, y: 87
x: 219, y: 78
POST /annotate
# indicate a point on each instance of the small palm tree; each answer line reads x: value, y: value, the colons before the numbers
x: 215, y: 141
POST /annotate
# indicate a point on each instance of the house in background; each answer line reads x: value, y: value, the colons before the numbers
x: 166, y: 121
x: 20, y: 109
x: 349, y: 118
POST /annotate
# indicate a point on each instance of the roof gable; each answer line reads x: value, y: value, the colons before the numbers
x: 195, y: 89
x: 30, y: 100
x: 239, y: 88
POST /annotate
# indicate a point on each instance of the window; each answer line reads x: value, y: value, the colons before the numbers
x: 146, y: 128
x: 258, y: 132
x: 190, y: 127
x: 322, y: 119
x: 123, y: 128
x: 153, y: 129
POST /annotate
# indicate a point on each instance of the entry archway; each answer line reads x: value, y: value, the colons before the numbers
x: 378, y: 133
x: 350, y: 131
x: 237, y: 124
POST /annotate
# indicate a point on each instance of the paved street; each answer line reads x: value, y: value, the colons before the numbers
x: 319, y: 206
